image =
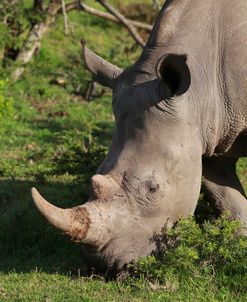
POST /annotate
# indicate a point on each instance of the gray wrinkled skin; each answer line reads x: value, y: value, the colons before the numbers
x: 177, y: 117
x: 160, y: 143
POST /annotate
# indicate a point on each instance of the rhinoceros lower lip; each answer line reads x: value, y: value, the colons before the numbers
x: 106, y: 260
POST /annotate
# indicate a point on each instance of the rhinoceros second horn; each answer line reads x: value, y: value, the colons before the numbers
x: 105, y: 73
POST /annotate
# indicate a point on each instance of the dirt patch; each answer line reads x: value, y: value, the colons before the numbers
x: 81, y: 220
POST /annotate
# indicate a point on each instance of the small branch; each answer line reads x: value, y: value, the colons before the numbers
x: 32, y: 43
x: 65, y: 18
x: 92, y: 11
x: 156, y: 4
x: 131, y: 28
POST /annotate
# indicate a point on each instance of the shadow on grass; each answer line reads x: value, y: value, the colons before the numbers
x: 27, y: 242
x: 103, y: 131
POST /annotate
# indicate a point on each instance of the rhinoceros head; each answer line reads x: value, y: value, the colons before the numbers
x: 151, y: 175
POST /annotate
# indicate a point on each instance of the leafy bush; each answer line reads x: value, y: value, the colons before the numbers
x: 16, y: 18
x: 81, y: 162
x: 6, y: 103
x: 214, y: 250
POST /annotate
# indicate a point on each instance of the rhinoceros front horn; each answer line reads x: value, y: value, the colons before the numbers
x: 80, y: 223
x: 105, y: 73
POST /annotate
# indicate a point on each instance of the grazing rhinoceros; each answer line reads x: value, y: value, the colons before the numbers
x: 181, y: 112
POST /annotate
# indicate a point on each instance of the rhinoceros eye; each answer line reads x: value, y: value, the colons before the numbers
x: 152, y: 186
x: 148, y: 187
x: 149, y: 194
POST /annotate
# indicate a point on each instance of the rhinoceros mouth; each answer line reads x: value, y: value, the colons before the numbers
x: 105, y: 261
x: 109, y: 259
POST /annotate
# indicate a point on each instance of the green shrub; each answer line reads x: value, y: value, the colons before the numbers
x: 214, y: 250
x: 81, y: 162
x: 6, y: 103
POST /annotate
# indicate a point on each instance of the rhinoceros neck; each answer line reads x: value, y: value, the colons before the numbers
x: 183, y: 26
x: 191, y: 27
x: 180, y: 18
x: 198, y: 29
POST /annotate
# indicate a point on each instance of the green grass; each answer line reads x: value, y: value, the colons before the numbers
x: 242, y: 172
x: 38, y: 286
x: 53, y: 139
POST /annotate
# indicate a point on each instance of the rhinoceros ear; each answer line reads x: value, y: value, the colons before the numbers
x: 174, y: 72
x: 105, y: 73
